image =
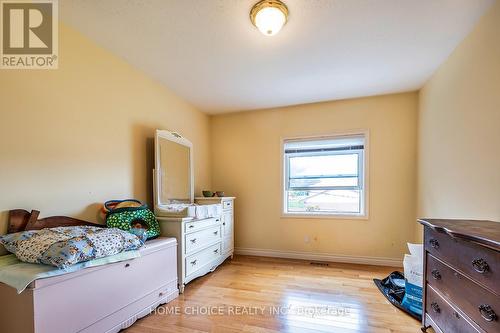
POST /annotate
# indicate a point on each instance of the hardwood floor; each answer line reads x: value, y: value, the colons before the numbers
x: 263, y: 295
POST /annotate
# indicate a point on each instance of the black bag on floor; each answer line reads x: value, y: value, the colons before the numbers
x: 393, y: 288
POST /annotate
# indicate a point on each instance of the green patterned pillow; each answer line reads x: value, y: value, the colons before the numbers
x: 136, y: 216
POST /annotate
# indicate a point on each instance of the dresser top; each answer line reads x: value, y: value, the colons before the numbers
x: 483, y: 232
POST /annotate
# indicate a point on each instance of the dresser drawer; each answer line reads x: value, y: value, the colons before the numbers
x: 201, y: 224
x: 478, y: 303
x: 478, y: 262
x: 227, y: 204
x: 444, y: 315
x: 202, y: 258
x: 197, y: 240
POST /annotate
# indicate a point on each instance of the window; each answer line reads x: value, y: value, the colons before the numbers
x: 325, y: 176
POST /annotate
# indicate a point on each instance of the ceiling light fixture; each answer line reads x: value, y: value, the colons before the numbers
x: 269, y: 16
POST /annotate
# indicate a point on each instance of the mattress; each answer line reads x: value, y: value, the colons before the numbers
x: 181, y: 210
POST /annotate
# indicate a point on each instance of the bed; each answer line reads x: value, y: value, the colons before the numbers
x: 104, y: 298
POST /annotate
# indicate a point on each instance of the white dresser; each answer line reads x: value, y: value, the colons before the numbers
x: 227, y: 220
x: 202, y: 244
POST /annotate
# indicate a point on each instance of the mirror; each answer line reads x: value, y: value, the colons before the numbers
x: 173, y: 176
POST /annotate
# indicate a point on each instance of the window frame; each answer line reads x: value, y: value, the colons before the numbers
x: 363, y: 177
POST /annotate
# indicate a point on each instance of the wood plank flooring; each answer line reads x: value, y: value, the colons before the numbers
x: 267, y: 295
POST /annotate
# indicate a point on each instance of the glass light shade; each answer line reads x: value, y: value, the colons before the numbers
x: 270, y: 20
x: 269, y: 16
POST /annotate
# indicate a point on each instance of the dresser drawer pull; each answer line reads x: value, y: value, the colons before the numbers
x: 435, y: 307
x: 193, y: 240
x: 434, y: 243
x: 480, y: 266
x: 193, y: 262
x: 191, y: 226
x: 216, y: 251
x: 127, y: 265
x: 487, y: 312
x: 223, y: 223
x: 217, y: 220
x: 435, y: 274
x: 216, y: 232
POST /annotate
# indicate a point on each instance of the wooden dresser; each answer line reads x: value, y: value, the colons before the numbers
x: 462, y: 276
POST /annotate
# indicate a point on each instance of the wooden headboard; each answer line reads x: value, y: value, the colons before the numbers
x: 21, y: 220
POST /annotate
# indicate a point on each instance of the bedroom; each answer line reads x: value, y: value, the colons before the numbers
x: 418, y: 81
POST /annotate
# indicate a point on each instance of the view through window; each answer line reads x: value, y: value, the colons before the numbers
x: 324, y: 176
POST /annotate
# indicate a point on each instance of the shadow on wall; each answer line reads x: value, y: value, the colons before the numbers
x: 142, y: 161
x: 93, y: 209
x: 3, y: 229
x: 90, y: 213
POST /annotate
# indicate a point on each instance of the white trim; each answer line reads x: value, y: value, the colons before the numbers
x: 330, y: 257
x: 346, y: 216
x: 366, y: 175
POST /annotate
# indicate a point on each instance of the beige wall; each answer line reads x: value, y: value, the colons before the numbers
x: 74, y: 137
x: 246, y: 163
x: 459, y: 129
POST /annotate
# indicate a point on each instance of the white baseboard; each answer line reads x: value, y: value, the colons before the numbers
x: 378, y: 261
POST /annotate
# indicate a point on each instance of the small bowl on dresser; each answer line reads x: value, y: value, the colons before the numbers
x: 208, y: 194
x: 220, y: 194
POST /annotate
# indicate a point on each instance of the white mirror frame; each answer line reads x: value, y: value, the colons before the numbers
x: 177, y: 138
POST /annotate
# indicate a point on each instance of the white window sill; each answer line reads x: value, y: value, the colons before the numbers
x: 324, y: 216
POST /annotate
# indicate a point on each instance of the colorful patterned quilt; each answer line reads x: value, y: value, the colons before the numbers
x: 66, y: 246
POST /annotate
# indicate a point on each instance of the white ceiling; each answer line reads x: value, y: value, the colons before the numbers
x: 209, y: 53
